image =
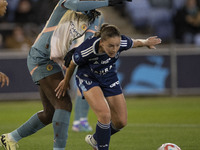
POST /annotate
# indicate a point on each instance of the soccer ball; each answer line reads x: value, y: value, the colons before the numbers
x: 169, y: 146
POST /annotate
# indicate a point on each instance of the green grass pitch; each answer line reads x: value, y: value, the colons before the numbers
x: 152, y: 121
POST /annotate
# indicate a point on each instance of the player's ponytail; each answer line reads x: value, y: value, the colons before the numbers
x: 108, y: 31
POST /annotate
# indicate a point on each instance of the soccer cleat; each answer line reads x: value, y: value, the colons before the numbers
x: 7, y: 143
x: 84, y: 126
x: 76, y: 128
x: 91, y: 141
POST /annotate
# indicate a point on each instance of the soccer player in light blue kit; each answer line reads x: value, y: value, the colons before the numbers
x: 97, y: 80
x: 45, y: 66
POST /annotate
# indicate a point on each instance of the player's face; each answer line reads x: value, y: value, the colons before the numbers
x: 111, y: 45
x: 3, y: 4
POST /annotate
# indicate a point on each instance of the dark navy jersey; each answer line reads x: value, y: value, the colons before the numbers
x: 89, y: 61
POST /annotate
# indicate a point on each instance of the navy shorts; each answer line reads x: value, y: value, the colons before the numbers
x: 109, y: 84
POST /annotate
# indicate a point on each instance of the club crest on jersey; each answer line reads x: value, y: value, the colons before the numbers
x: 49, y: 67
x: 88, y: 82
x: 84, y: 27
x: 76, y: 56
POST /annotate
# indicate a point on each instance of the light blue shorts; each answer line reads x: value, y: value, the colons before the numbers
x: 40, y: 65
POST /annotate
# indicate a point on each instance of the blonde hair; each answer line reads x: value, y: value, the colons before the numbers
x: 72, y: 15
x: 107, y: 31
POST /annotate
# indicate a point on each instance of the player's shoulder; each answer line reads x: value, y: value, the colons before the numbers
x: 124, y: 37
x: 87, y: 47
x: 90, y: 41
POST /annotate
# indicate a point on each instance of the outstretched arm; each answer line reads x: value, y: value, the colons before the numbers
x: 85, y: 5
x: 150, y: 42
x: 64, y: 85
x: 3, y: 5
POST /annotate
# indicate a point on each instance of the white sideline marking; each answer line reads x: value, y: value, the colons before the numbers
x: 164, y: 125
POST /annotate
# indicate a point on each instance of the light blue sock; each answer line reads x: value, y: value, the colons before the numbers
x: 77, y: 109
x: 60, y: 122
x: 28, y: 128
x: 84, y: 108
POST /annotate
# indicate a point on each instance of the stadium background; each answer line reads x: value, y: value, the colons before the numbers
x: 170, y: 70
x: 162, y: 86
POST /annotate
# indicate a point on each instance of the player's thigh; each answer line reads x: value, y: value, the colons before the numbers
x: 98, y: 103
x: 48, y: 86
x: 118, y: 109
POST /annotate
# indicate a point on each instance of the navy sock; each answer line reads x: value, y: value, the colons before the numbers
x: 103, y: 135
x: 113, y: 129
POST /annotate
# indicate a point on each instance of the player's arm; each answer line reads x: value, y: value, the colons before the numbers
x: 3, y: 7
x: 85, y: 5
x: 4, y: 80
x: 150, y: 42
x: 64, y: 85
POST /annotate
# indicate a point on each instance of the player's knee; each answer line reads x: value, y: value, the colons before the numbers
x: 64, y: 103
x: 121, y: 124
x: 46, y: 116
x: 104, y: 117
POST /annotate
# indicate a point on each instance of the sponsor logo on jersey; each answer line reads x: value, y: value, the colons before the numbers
x: 105, y: 61
x: 73, y: 31
x: 93, y: 59
x: 104, y: 71
x: 114, y: 84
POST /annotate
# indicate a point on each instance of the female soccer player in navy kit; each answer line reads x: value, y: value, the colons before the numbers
x: 97, y: 80
x: 44, y: 60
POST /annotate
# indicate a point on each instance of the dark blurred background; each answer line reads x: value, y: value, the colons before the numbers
x: 172, y: 69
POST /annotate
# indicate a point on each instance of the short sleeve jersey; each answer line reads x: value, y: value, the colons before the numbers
x: 87, y: 58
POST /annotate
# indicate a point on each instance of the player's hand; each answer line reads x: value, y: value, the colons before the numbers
x: 62, y: 88
x: 152, y: 41
x: 3, y: 7
x: 4, y: 79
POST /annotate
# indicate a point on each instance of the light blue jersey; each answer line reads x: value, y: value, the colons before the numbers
x: 39, y: 63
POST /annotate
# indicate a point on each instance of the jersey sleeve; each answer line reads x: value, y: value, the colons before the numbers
x: 126, y: 43
x: 84, y: 5
x: 77, y: 57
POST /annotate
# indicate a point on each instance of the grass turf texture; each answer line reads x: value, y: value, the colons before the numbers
x: 151, y: 122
